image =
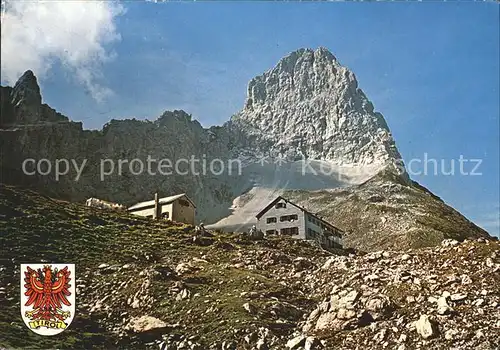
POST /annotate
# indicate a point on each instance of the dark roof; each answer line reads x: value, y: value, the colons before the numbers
x: 263, y: 211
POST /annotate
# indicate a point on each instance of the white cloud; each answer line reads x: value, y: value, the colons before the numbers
x: 35, y: 34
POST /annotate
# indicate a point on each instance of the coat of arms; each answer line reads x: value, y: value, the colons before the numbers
x: 47, y: 297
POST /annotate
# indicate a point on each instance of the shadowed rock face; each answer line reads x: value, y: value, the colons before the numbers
x: 307, y: 107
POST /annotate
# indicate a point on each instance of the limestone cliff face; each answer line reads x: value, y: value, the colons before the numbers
x: 307, y: 107
x: 310, y: 106
x: 173, y: 136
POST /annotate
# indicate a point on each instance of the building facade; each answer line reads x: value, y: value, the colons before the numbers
x: 282, y: 217
x: 179, y: 208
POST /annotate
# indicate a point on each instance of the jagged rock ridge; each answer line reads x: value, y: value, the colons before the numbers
x: 307, y: 106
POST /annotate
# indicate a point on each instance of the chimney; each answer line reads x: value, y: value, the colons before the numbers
x: 157, y: 207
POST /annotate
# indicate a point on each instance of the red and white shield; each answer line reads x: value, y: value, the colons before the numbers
x: 47, y: 297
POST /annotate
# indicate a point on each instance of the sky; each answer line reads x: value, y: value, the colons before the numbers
x: 431, y: 68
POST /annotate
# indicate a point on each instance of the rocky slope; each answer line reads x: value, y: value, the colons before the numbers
x: 145, y: 284
x: 305, y: 126
x: 390, y: 214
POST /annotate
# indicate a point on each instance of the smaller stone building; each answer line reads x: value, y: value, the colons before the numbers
x: 179, y: 208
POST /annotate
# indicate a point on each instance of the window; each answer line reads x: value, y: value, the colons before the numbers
x: 289, y: 231
x: 271, y: 220
x: 331, y: 244
x: 289, y: 217
x: 313, y: 234
x: 280, y: 205
x: 270, y: 232
x: 310, y: 233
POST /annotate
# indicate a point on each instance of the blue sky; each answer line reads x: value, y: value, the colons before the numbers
x: 432, y: 70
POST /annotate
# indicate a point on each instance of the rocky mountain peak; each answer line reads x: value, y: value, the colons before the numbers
x: 24, y: 101
x: 303, y: 70
x: 174, y: 117
x: 305, y: 58
x: 309, y: 105
x: 26, y: 90
x: 22, y: 104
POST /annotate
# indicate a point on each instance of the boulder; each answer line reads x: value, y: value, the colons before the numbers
x: 145, y: 324
x: 425, y: 327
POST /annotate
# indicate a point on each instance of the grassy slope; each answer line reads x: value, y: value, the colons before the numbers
x: 35, y: 228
